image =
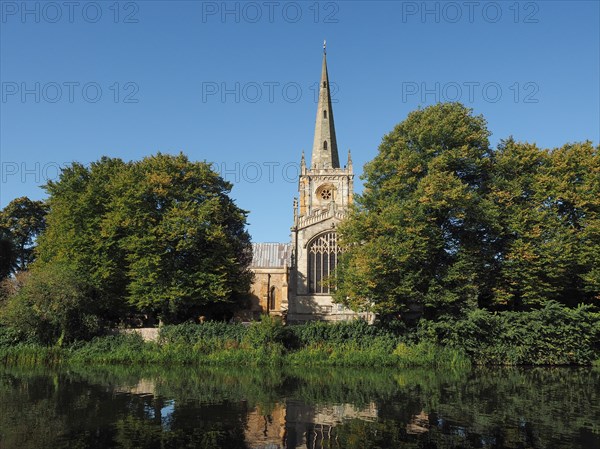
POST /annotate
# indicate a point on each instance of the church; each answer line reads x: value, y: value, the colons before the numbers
x: 290, y: 279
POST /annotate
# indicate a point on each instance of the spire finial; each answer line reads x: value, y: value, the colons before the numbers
x: 325, y: 47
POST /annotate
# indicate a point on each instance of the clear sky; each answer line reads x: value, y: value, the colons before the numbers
x: 234, y: 82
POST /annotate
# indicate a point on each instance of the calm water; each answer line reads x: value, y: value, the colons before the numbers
x: 118, y: 407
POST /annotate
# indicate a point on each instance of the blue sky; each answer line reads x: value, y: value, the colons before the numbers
x: 233, y: 83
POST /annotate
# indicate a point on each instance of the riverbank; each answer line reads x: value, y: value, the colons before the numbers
x: 124, y: 351
x: 482, y: 339
x: 264, y: 343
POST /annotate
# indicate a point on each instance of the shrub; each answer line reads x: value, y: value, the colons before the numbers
x: 53, y: 307
x: 210, y: 334
x: 554, y: 335
x: 357, y: 331
x: 9, y: 336
x: 129, y: 348
x: 267, y: 332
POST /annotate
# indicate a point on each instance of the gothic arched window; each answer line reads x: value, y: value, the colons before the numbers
x: 323, y: 254
x: 324, y: 113
x: 324, y: 145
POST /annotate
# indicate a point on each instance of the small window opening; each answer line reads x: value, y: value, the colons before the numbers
x: 324, y: 114
x: 272, y: 299
x: 325, y: 146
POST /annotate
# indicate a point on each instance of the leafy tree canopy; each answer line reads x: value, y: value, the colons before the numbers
x: 446, y: 224
x: 550, y: 217
x: 160, y: 234
x: 21, y: 221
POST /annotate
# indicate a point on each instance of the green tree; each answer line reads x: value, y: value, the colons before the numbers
x: 523, y: 278
x: 422, y: 232
x: 79, y: 230
x: 24, y: 220
x: 448, y: 225
x: 186, y: 247
x: 549, y: 240
x: 53, y: 306
x: 160, y: 234
x: 573, y: 180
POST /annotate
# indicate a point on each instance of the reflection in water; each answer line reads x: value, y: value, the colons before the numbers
x: 120, y: 407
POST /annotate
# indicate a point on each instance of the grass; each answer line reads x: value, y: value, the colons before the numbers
x: 31, y: 355
x: 131, y: 350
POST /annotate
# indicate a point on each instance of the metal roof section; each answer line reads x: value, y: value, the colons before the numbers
x: 271, y: 255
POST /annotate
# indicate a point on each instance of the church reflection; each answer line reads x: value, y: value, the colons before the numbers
x: 294, y: 424
x: 290, y: 424
x: 218, y: 408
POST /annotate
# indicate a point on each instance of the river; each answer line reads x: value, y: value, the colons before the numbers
x: 250, y: 408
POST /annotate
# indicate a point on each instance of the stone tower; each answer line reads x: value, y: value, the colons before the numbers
x: 325, y: 192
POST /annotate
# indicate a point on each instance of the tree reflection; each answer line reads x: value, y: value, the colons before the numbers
x: 127, y: 407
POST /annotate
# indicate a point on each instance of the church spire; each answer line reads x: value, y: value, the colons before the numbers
x: 325, y: 152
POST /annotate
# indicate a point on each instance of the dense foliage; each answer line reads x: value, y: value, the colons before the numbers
x: 555, y: 335
x: 54, y: 305
x: 206, y: 334
x: 21, y: 221
x: 447, y: 225
x: 161, y: 235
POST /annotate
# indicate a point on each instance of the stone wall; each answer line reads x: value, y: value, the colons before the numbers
x: 147, y: 333
x: 265, y: 279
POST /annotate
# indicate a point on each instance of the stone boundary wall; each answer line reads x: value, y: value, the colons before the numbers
x: 147, y: 333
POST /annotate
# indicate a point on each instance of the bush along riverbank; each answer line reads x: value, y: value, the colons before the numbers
x: 555, y: 335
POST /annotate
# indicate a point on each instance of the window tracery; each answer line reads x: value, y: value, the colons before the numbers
x: 323, y: 253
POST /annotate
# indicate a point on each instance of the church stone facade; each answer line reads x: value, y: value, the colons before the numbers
x: 291, y: 279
